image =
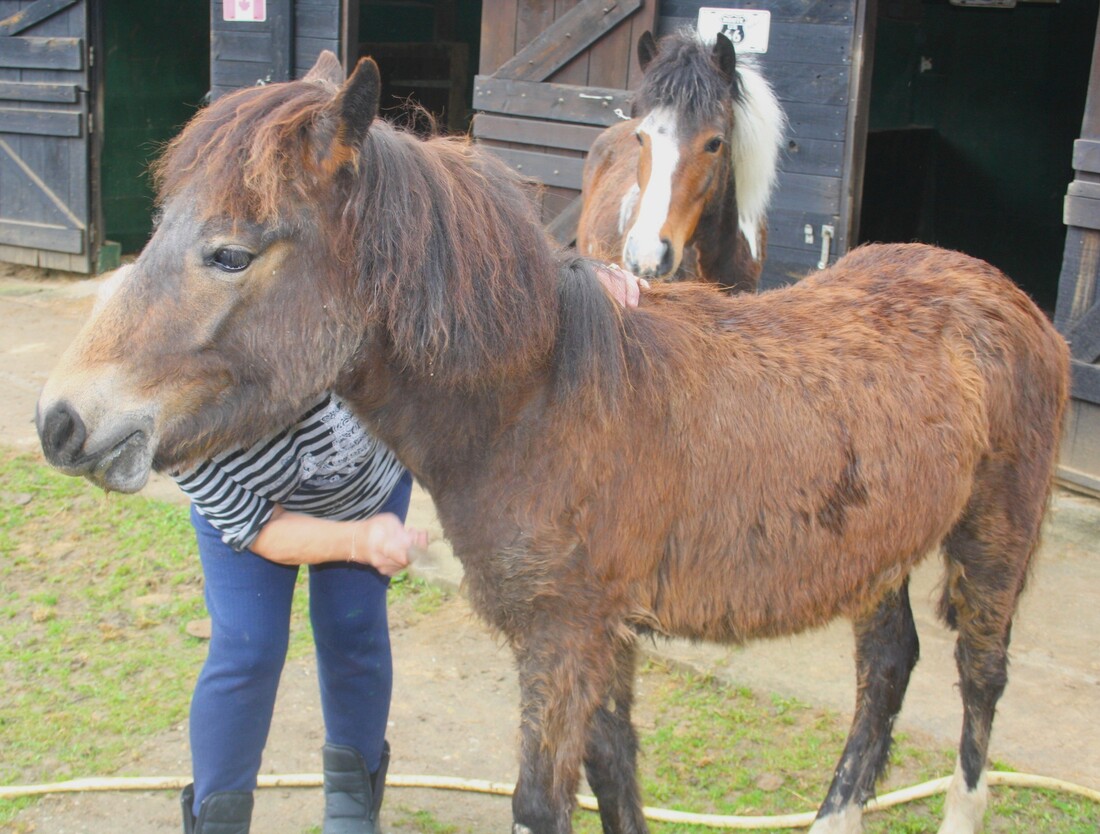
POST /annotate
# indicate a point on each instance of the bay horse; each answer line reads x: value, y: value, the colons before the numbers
x: 711, y: 466
x: 682, y: 190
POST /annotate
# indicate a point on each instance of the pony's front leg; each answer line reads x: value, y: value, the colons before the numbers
x: 563, y: 673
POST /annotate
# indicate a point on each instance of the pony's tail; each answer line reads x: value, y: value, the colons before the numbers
x: 758, y: 133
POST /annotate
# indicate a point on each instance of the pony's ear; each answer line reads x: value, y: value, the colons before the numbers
x: 327, y: 70
x: 357, y: 103
x: 725, y: 57
x: 647, y: 49
x: 345, y: 121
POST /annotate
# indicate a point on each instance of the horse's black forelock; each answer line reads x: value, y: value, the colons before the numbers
x: 684, y: 76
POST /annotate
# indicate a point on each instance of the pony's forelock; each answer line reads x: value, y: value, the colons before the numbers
x: 683, y: 76
x: 244, y: 151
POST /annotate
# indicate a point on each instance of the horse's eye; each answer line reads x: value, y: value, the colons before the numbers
x: 638, y: 136
x: 231, y: 258
x: 714, y: 145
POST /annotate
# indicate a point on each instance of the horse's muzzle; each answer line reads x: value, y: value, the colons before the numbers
x: 120, y: 460
x: 649, y: 258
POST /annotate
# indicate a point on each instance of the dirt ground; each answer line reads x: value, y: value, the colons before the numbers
x: 454, y: 711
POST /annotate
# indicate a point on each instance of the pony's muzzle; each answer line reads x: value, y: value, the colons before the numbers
x: 654, y: 258
x: 119, y: 461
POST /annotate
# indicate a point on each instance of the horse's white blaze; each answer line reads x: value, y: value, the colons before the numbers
x: 643, y: 250
x: 964, y: 808
x: 847, y: 821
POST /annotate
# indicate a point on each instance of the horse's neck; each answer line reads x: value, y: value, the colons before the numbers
x: 723, y: 253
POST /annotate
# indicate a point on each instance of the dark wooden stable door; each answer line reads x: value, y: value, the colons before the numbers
x: 553, y: 75
x: 46, y: 215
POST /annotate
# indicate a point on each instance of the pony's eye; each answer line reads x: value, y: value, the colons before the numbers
x: 638, y: 136
x: 231, y: 258
x: 714, y: 145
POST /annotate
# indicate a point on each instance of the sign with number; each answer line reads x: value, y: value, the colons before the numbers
x: 249, y: 11
x: 747, y: 28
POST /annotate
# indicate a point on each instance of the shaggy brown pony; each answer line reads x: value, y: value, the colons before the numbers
x: 715, y: 467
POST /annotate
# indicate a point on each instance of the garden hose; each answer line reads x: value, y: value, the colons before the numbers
x: 449, y: 783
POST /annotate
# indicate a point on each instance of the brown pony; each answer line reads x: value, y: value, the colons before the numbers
x: 682, y: 190
x: 715, y: 467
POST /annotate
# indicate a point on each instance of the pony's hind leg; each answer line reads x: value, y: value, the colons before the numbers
x: 987, y: 563
x: 611, y: 757
x: 887, y: 649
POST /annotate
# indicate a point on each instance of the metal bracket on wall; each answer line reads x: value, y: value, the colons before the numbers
x: 827, y: 233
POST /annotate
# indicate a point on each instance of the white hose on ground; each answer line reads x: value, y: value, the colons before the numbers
x: 449, y: 783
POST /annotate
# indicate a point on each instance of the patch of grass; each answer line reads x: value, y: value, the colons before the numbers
x: 97, y: 590
x: 95, y: 593
x: 413, y: 596
x: 711, y: 748
x: 422, y: 822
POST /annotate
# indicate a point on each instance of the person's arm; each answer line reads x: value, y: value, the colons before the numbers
x: 381, y: 541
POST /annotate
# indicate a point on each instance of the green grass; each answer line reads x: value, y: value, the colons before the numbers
x: 715, y: 749
x: 96, y: 593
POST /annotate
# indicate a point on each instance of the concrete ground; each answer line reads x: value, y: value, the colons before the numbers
x: 1048, y: 721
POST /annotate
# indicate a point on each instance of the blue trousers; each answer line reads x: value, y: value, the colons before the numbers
x: 249, y: 601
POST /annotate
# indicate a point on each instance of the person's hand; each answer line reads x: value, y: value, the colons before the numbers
x: 624, y: 286
x: 383, y: 542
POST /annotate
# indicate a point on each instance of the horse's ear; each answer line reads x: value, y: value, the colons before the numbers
x: 357, y: 103
x: 327, y: 70
x: 647, y: 49
x: 726, y: 58
x: 345, y: 122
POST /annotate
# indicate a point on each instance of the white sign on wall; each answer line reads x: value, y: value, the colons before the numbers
x: 250, y: 11
x: 747, y: 28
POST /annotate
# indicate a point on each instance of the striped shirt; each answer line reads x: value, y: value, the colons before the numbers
x: 326, y: 465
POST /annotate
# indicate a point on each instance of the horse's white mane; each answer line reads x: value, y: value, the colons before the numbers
x: 758, y: 134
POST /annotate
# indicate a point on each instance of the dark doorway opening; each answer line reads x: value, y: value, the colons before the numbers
x: 973, y: 116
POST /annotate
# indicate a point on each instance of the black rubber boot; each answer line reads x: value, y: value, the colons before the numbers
x: 220, y: 813
x: 353, y: 797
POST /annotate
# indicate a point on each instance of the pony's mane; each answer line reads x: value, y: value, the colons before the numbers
x: 759, y: 128
x: 683, y: 76
x: 452, y: 256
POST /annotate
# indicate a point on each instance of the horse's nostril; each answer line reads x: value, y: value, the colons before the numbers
x: 62, y: 433
x: 666, y: 257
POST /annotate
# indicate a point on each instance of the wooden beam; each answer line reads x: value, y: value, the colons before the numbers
x: 563, y: 102
x: 534, y: 132
x: 566, y: 38
x: 42, y: 53
x: 32, y: 15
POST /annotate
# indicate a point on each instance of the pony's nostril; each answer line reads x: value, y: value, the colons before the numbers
x: 666, y: 257
x: 62, y: 433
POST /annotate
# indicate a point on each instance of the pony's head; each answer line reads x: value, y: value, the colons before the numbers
x: 709, y: 131
x: 235, y: 315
